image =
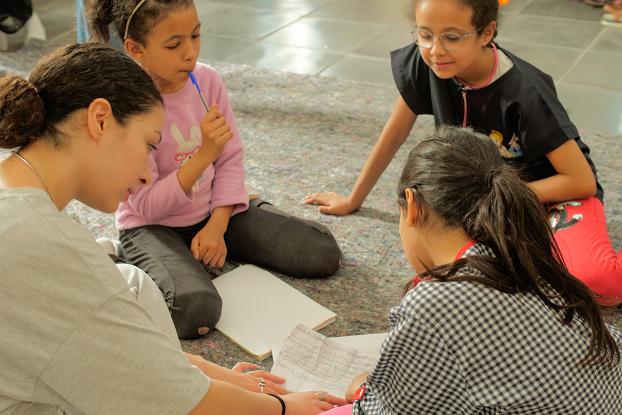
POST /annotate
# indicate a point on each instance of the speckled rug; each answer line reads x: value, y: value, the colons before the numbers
x: 308, y: 133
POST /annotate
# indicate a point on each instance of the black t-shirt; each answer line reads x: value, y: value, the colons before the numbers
x: 520, y: 111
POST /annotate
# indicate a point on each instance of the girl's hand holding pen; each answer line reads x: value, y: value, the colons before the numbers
x: 216, y: 133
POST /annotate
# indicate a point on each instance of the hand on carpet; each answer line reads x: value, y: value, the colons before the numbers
x: 331, y: 203
x: 311, y: 402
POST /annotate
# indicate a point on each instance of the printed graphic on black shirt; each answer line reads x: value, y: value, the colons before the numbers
x: 558, y: 216
x: 512, y: 150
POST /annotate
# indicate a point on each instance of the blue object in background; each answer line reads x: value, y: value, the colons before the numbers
x: 82, y: 28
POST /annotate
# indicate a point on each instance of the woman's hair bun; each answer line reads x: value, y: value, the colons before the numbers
x: 22, y: 114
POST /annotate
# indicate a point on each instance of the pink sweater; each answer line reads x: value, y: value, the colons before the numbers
x: 164, y: 202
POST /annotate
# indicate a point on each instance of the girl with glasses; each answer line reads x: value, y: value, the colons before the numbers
x: 455, y: 71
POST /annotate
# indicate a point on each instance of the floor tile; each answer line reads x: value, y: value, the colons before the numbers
x: 330, y: 35
x: 214, y: 47
x: 285, y: 58
x: 208, y: 10
x: 285, y: 6
x: 351, y: 39
x: 598, y: 69
x: 515, y: 6
x: 541, y: 30
x: 246, y: 22
x: 394, y: 11
x: 609, y: 41
x: 46, y: 6
x: 380, y: 46
x: 553, y: 60
x: 592, y: 109
x: 357, y: 68
x: 571, y: 9
x: 57, y: 23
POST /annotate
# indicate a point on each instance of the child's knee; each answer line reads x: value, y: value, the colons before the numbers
x: 195, y: 311
x: 323, y: 255
x: 315, y: 253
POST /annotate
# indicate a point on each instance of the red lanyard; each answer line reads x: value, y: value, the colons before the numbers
x: 491, y: 77
x: 460, y: 254
x: 469, y: 87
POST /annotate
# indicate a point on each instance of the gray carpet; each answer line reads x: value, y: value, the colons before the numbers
x: 307, y: 133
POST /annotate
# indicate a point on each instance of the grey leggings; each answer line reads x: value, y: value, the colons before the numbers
x: 263, y: 235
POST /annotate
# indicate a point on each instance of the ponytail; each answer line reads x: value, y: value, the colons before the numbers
x: 498, y: 209
x: 129, y: 18
x: 101, y: 14
x: 22, y: 114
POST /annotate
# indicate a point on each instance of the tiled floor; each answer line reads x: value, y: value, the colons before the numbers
x: 351, y: 39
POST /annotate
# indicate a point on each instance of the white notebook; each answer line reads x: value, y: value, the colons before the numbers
x: 258, y: 309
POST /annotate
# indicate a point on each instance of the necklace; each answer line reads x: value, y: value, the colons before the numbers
x: 19, y: 156
x: 491, y: 77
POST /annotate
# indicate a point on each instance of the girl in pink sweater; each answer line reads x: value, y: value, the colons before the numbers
x: 195, y: 211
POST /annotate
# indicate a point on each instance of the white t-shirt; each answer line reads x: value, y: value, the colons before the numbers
x: 73, y: 338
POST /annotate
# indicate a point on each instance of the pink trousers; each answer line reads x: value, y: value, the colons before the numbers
x: 340, y: 410
x: 581, y: 233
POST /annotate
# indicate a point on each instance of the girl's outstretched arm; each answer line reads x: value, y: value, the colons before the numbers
x: 574, y: 178
x: 393, y: 135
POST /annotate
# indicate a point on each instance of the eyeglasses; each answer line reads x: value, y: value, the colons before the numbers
x: 450, y: 41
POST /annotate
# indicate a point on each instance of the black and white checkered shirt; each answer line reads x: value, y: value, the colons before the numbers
x: 463, y: 348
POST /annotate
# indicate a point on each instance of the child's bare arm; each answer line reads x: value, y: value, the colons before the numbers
x: 394, y: 134
x: 574, y: 178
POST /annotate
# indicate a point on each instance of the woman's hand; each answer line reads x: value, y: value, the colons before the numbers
x: 331, y: 203
x: 311, y: 403
x: 248, y: 377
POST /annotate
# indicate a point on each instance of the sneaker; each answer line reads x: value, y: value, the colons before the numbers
x: 110, y: 246
x: 610, y: 20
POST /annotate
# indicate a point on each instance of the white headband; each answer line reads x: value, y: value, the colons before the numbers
x: 127, y: 25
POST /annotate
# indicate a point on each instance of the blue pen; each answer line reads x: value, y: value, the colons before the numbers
x: 196, y: 85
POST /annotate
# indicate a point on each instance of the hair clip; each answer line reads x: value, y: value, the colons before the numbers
x: 503, y: 2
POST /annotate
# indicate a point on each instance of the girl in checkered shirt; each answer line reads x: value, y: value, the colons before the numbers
x: 494, y: 323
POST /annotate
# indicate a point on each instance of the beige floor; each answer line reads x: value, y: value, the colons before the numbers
x: 351, y: 39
